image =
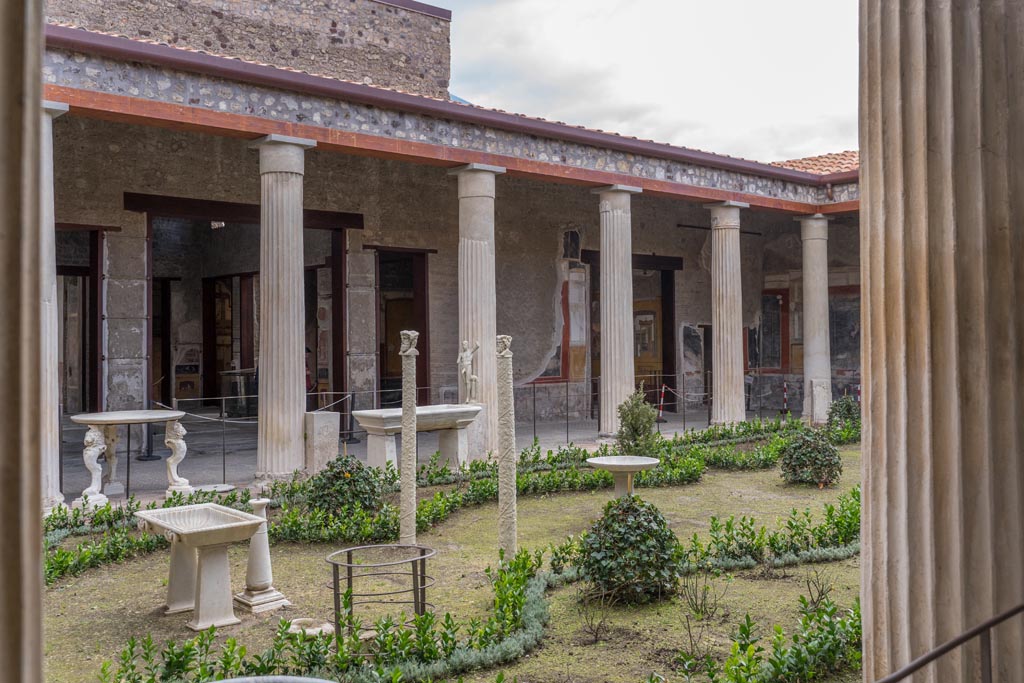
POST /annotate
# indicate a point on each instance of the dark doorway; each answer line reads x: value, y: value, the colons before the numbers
x: 160, y: 358
x: 79, y: 284
x: 402, y: 304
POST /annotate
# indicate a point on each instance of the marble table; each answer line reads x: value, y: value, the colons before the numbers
x: 101, y: 438
x: 200, y: 573
x: 623, y: 469
x: 384, y: 424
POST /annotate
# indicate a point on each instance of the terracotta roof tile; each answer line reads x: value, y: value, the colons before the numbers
x: 835, y: 162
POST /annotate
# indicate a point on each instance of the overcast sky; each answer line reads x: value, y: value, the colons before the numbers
x: 761, y: 79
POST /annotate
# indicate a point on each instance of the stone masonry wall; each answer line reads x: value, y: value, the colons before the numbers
x: 356, y: 40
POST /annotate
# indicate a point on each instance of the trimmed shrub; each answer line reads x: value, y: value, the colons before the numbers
x: 629, y: 554
x: 844, y: 421
x: 637, y: 435
x: 344, y: 484
x: 810, y: 458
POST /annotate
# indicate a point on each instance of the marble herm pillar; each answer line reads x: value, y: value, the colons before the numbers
x: 477, y: 297
x: 49, y: 338
x: 817, y: 356
x: 942, y: 278
x: 407, y: 469
x: 616, y: 269
x: 507, y: 460
x: 282, y: 400
x: 259, y: 594
x: 727, y: 401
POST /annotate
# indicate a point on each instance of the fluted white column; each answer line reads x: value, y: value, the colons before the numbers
x: 942, y: 273
x: 477, y: 297
x: 817, y: 356
x: 49, y: 338
x: 616, y: 268
x: 282, y: 401
x: 727, y: 403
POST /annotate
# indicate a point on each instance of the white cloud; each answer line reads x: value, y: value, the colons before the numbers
x: 762, y: 79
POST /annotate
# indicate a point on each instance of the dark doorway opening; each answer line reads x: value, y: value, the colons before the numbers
x: 79, y: 286
x: 402, y: 304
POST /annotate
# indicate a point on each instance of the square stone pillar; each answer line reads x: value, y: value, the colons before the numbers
x: 727, y: 399
x: 282, y: 375
x: 477, y: 294
x: 618, y: 376
x: 817, y: 355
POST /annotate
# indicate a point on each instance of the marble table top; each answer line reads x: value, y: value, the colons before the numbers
x: 623, y: 463
x: 124, y: 417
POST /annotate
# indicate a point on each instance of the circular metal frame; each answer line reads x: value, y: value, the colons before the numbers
x: 347, y: 559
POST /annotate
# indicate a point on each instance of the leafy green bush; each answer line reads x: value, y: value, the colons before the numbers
x: 636, y: 426
x: 810, y: 458
x: 346, y: 483
x: 844, y: 421
x: 629, y: 554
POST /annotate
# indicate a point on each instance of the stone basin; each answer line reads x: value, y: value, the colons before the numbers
x: 200, y: 576
x: 623, y: 468
x: 388, y: 421
x: 203, y: 524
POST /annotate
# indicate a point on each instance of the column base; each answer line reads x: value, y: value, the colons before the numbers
x: 261, y: 601
x: 113, y: 488
x: 51, y: 504
x: 96, y: 500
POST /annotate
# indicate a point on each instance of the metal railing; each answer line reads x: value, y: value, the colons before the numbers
x: 982, y: 631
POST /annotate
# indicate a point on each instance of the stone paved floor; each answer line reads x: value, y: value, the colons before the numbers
x: 227, y: 453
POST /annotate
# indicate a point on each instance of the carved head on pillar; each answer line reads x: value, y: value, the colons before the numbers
x: 409, y: 339
x: 504, y: 346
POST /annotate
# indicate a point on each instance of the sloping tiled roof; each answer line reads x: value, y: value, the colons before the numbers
x: 835, y: 162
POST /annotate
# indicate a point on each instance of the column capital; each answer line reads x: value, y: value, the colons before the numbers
x: 725, y: 215
x: 282, y: 153
x: 54, y: 109
x: 813, y: 226
x: 727, y: 205
x: 630, y: 189
x: 496, y: 170
x: 276, y: 139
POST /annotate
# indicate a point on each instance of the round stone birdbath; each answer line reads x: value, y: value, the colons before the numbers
x: 623, y: 468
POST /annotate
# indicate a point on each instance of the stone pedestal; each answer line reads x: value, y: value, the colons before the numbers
x: 259, y: 594
x: 817, y: 358
x: 727, y: 400
x: 507, y: 458
x: 942, y: 264
x: 322, y: 432
x: 181, y: 582
x: 454, y: 447
x: 213, y: 604
x: 279, y: 447
x: 616, y: 268
x: 49, y: 337
x: 477, y: 300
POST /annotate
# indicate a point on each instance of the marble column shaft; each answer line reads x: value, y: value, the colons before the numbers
x: 618, y: 376
x: 477, y: 293
x: 942, y: 272
x: 49, y: 337
x: 282, y: 400
x: 817, y: 355
x: 507, y: 457
x: 727, y: 401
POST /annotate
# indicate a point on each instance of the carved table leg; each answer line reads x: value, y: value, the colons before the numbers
x: 181, y: 582
x: 174, y: 439
x: 213, y: 590
x: 111, y: 486
x: 95, y: 446
x: 380, y: 450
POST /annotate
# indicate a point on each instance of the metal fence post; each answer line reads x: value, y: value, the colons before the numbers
x: 223, y: 444
x: 567, y: 411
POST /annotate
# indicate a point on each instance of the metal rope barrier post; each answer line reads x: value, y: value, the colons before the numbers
x: 223, y: 443
x: 567, y: 411
x: 534, y: 384
x: 128, y: 460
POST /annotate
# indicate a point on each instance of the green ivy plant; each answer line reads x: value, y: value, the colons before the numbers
x: 629, y: 555
x: 810, y: 458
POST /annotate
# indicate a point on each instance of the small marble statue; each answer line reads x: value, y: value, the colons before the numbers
x: 95, y: 446
x: 174, y: 439
x: 467, y: 380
